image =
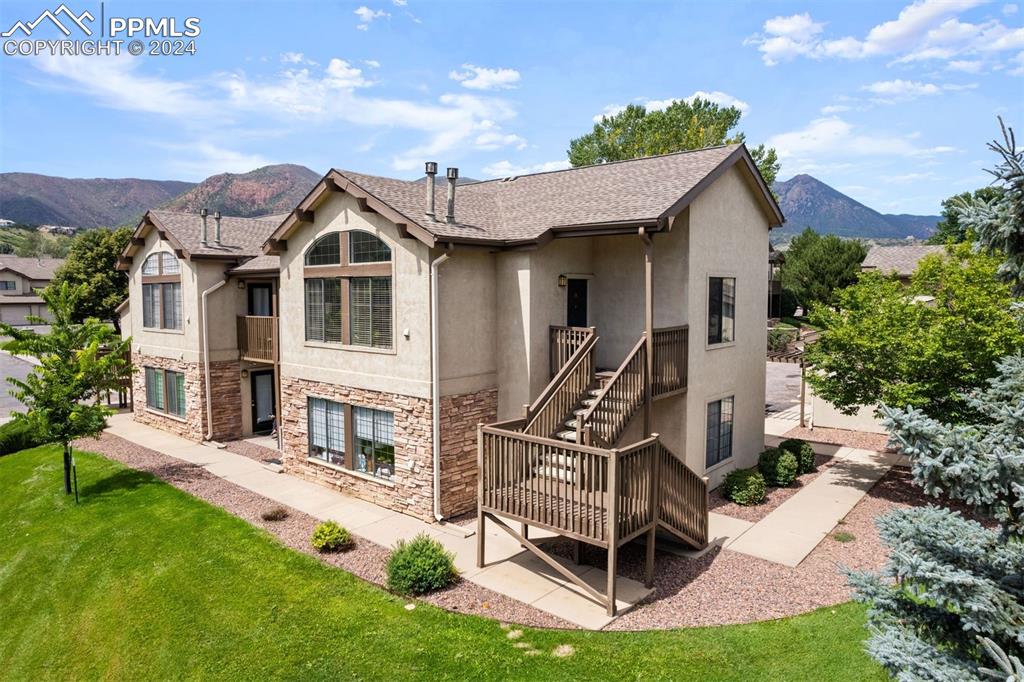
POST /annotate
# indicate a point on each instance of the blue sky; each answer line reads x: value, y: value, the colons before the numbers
x: 891, y: 103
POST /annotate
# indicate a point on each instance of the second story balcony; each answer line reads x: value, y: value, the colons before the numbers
x: 257, y: 338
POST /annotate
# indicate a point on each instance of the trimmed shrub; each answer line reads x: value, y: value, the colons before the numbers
x: 744, y: 487
x: 420, y: 565
x: 803, y: 452
x: 17, y: 435
x: 778, y: 466
x: 779, y: 338
x: 274, y: 514
x: 330, y: 536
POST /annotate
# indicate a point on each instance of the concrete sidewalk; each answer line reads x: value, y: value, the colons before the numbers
x: 788, y: 534
x: 510, y: 570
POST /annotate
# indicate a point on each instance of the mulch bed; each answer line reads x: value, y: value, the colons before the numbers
x: 366, y: 560
x: 860, y: 440
x: 722, y: 587
x: 773, y: 498
x: 253, y: 451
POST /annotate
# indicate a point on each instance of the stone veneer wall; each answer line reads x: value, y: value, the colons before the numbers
x: 410, y: 491
x: 225, y: 394
x: 460, y: 415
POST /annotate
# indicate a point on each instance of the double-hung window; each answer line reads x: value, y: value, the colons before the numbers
x: 165, y: 391
x: 721, y: 310
x: 719, y: 431
x: 161, y: 292
x: 358, y: 438
x: 348, y: 290
x: 8, y: 285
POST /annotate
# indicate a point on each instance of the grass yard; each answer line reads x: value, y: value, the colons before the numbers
x: 142, y: 581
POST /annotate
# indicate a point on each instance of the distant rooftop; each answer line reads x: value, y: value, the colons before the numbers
x: 901, y: 260
x: 32, y: 268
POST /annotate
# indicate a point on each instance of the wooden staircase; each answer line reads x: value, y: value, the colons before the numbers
x: 561, y: 468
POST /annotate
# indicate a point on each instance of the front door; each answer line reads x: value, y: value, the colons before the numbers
x: 261, y: 385
x: 576, y: 303
x: 260, y: 299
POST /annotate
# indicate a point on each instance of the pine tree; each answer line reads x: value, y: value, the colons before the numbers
x: 950, y: 600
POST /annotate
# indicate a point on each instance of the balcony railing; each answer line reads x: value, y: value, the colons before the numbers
x: 257, y: 338
x: 671, y: 349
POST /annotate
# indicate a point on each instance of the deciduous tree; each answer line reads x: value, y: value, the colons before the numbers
x: 92, y: 262
x: 950, y: 229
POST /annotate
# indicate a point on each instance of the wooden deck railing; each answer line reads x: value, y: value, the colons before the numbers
x: 257, y: 338
x: 564, y: 342
x: 682, y: 499
x: 545, y: 416
x: 671, y: 350
x: 621, y: 397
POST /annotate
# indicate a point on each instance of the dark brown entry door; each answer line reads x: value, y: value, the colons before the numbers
x: 261, y: 386
x: 576, y: 303
x: 260, y: 294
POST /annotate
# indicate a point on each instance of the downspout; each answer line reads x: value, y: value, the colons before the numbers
x: 206, y: 359
x: 435, y: 382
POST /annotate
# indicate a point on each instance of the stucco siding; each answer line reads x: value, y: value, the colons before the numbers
x: 468, y: 322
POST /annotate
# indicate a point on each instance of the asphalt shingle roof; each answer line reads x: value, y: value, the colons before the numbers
x: 901, y: 260
x: 240, y: 237
x: 32, y: 268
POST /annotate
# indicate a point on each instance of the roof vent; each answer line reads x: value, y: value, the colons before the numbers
x: 453, y: 175
x: 431, y: 170
x: 216, y: 232
x: 202, y: 214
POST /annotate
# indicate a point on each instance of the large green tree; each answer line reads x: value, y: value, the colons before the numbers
x: 950, y: 229
x: 635, y: 132
x: 817, y: 265
x: 921, y: 344
x: 77, y: 363
x: 92, y: 262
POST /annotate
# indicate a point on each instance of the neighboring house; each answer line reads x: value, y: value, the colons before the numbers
x: 898, y: 260
x: 541, y: 327
x: 19, y: 279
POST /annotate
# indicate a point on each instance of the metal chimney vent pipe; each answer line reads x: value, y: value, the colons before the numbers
x: 453, y: 175
x: 431, y: 169
x: 216, y: 233
x: 202, y: 214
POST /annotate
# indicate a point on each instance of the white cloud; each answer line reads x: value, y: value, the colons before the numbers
x: 481, y: 78
x: 833, y: 138
x: 902, y: 89
x: 491, y: 139
x: 923, y: 30
x: 506, y: 169
x: 721, y: 98
x: 372, y: 63
x: 965, y: 65
x: 203, y: 159
x: 367, y: 16
x: 400, y: 3
x: 1010, y: 9
x: 909, y: 177
x: 609, y: 110
x: 295, y: 58
x: 1017, y: 63
x: 834, y: 109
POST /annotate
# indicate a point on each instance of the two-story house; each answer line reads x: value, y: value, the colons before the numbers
x: 19, y: 279
x: 579, y: 350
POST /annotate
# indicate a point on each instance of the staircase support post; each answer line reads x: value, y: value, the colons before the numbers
x: 655, y: 505
x: 613, y: 525
x: 648, y: 326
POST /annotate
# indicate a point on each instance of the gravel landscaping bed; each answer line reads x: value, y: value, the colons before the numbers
x: 853, y: 439
x: 366, y: 560
x: 773, y: 497
x: 253, y: 451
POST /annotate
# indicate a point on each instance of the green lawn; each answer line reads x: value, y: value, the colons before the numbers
x: 143, y: 581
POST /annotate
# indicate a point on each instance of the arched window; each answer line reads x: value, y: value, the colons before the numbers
x: 348, y: 290
x: 161, y: 291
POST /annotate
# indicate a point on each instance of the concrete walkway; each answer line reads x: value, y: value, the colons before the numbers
x: 790, y: 532
x: 510, y: 570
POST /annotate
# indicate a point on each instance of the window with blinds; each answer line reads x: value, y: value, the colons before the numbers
x: 161, y: 292
x: 370, y: 309
x: 374, y: 441
x: 165, y: 391
x: 323, y: 310
x: 326, y: 430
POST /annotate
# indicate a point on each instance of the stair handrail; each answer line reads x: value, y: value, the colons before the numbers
x: 683, y: 503
x: 540, y: 407
x: 584, y: 429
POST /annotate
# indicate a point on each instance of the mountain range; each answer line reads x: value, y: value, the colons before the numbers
x: 809, y: 202
x: 39, y: 199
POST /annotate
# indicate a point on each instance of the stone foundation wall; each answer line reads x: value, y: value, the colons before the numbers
x: 460, y: 415
x: 410, y: 491
x: 225, y: 395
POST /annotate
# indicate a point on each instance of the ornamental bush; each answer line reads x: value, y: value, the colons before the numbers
x: 330, y: 536
x: 420, y: 565
x: 778, y: 466
x: 18, y: 435
x: 803, y: 452
x: 744, y: 487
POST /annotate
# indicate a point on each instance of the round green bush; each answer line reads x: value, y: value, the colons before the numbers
x: 17, y: 435
x: 803, y: 452
x: 744, y: 487
x: 330, y: 536
x: 778, y: 466
x: 420, y: 565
